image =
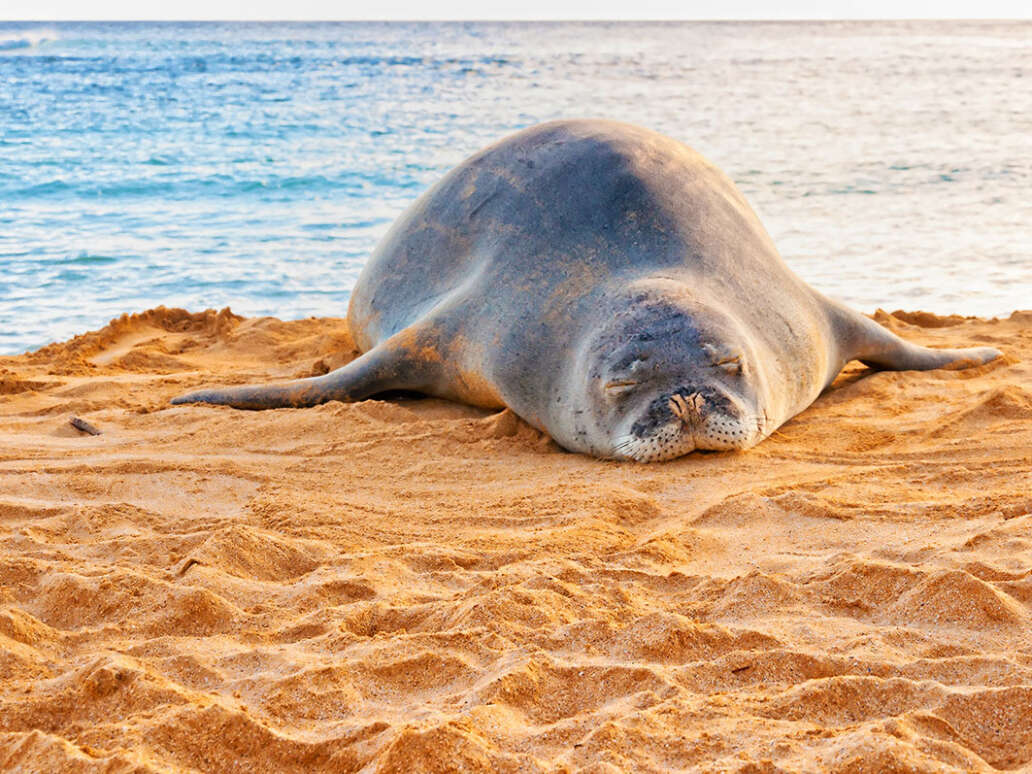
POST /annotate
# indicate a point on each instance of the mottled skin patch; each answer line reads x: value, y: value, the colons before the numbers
x: 611, y: 287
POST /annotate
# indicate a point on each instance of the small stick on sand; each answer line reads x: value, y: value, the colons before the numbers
x: 82, y: 424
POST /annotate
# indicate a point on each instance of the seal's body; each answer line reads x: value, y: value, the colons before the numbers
x: 610, y: 286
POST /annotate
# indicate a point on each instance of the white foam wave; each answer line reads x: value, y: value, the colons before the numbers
x: 21, y: 40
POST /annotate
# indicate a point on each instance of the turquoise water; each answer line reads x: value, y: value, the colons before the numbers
x: 255, y: 165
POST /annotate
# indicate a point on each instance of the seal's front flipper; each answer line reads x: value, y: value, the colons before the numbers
x: 879, y: 347
x: 385, y: 367
x: 905, y: 356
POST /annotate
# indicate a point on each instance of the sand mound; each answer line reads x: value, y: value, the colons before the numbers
x: 413, y: 585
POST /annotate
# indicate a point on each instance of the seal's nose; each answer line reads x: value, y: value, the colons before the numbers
x: 687, y: 408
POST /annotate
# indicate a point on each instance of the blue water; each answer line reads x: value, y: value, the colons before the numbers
x: 255, y: 165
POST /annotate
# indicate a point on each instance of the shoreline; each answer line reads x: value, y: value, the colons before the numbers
x: 413, y: 584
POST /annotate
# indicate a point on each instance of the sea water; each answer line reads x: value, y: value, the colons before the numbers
x: 256, y: 165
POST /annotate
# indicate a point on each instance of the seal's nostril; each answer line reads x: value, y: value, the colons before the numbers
x: 695, y: 403
x: 679, y: 406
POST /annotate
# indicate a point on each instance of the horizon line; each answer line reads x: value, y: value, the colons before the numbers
x: 658, y: 20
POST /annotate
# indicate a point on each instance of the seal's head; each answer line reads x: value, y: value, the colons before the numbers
x: 667, y: 376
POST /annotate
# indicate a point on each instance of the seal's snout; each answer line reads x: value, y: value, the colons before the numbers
x: 695, y: 418
x: 687, y: 408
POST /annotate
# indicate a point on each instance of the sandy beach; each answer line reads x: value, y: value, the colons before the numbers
x: 415, y: 585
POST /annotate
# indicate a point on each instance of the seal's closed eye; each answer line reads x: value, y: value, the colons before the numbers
x: 724, y: 359
x: 733, y: 365
x: 620, y: 386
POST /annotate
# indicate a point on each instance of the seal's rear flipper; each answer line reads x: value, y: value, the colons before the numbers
x: 879, y: 347
x: 385, y: 367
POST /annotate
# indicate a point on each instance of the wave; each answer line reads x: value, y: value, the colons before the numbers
x: 20, y: 40
x: 221, y: 185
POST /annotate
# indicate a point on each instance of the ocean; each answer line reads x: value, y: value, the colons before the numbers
x: 255, y: 165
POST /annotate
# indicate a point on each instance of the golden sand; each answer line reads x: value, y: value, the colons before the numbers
x: 422, y: 586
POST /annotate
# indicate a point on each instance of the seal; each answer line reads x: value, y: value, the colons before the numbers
x: 610, y: 286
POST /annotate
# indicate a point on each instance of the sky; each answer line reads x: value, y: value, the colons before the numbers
x: 15, y: 10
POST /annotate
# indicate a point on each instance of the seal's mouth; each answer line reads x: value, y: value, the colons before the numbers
x: 685, y: 421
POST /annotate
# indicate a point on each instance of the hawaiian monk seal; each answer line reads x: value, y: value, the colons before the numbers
x: 610, y: 286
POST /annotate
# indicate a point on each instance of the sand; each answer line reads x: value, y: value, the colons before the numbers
x: 416, y: 585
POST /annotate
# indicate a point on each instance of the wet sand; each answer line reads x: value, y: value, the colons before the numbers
x: 417, y: 585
